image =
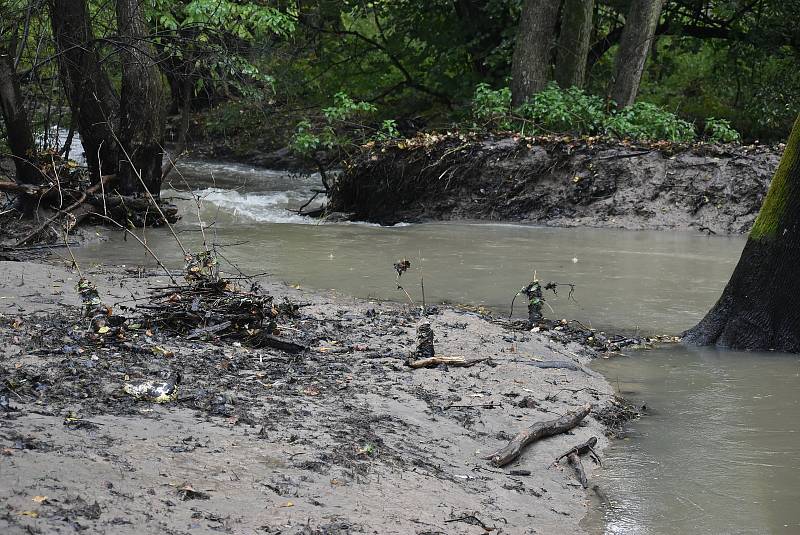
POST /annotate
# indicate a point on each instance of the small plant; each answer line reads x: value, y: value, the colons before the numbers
x: 646, y: 121
x: 387, y: 131
x: 491, y: 107
x: 721, y: 131
x: 557, y: 110
x: 344, y: 107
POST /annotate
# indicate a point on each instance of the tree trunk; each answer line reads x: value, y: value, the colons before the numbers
x: 574, y: 40
x: 533, y: 50
x: 18, y: 129
x: 760, y: 307
x: 92, y: 100
x: 142, y: 117
x: 637, y: 37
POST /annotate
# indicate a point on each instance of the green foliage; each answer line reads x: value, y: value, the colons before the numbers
x: 491, y: 107
x: 646, y: 121
x: 720, y: 131
x: 571, y: 110
x: 338, y: 127
x: 344, y: 108
x: 387, y: 131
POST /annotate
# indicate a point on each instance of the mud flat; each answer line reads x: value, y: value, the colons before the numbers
x: 558, y: 181
x: 341, y: 437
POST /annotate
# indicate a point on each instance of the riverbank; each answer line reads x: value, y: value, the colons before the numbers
x: 558, y: 181
x: 339, y: 438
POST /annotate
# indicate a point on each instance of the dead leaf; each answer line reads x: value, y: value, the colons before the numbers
x: 39, y: 499
x: 32, y: 514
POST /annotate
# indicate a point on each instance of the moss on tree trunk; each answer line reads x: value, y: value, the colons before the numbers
x: 760, y: 307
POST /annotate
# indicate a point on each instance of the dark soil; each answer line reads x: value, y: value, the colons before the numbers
x: 558, y: 181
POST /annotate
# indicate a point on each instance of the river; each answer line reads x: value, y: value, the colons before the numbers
x: 718, y: 451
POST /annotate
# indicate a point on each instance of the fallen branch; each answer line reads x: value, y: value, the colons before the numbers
x: 450, y: 361
x: 81, y: 199
x: 580, y: 449
x: 575, y: 462
x: 537, y: 431
x: 574, y: 459
x: 26, y: 189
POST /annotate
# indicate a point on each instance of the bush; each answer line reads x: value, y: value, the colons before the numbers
x: 647, y: 122
x: 720, y: 131
x: 492, y: 107
x: 558, y: 110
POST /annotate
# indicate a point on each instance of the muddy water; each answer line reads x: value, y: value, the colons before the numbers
x: 719, y: 452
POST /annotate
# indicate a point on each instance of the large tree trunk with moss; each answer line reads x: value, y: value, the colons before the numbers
x: 142, y: 118
x: 637, y: 38
x: 92, y: 100
x: 760, y: 307
x: 533, y: 51
x: 574, y: 39
x: 18, y: 129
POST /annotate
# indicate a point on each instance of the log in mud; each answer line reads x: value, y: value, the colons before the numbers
x: 558, y: 181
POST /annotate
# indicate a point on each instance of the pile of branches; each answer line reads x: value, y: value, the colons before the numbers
x: 66, y: 191
x: 211, y: 307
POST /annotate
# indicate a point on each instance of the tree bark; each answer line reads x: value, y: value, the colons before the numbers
x: 18, y: 129
x: 92, y: 99
x: 760, y: 307
x: 637, y: 38
x: 533, y: 51
x: 142, y: 118
x: 574, y: 40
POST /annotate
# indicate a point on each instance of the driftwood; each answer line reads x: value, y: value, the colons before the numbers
x: 575, y: 462
x: 574, y: 459
x: 450, y: 361
x: 580, y: 449
x: 538, y: 431
x: 25, y: 189
x: 276, y: 342
x: 104, y: 180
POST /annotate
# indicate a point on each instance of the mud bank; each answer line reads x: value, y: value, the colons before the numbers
x: 340, y: 438
x: 558, y: 181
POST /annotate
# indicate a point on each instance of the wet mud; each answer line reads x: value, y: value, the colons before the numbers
x: 341, y: 437
x: 558, y: 181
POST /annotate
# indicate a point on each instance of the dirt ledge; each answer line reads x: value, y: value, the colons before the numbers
x: 558, y: 181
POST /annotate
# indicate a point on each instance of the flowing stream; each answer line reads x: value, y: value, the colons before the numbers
x: 719, y: 450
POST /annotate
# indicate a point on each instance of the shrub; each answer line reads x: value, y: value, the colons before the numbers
x: 647, y: 122
x: 558, y: 110
x: 491, y: 107
x: 720, y: 131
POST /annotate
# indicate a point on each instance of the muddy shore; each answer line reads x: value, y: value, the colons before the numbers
x: 340, y: 438
x: 558, y: 181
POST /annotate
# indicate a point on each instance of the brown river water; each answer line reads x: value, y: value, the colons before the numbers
x: 718, y: 452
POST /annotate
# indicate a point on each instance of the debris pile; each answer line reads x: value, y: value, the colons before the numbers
x: 211, y: 307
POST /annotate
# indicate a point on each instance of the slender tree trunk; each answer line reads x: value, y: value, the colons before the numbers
x: 760, y: 307
x: 92, y: 99
x: 637, y: 38
x: 18, y: 129
x: 533, y: 50
x: 574, y: 40
x: 142, y: 117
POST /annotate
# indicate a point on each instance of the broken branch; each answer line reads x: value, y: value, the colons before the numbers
x: 538, y: 431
